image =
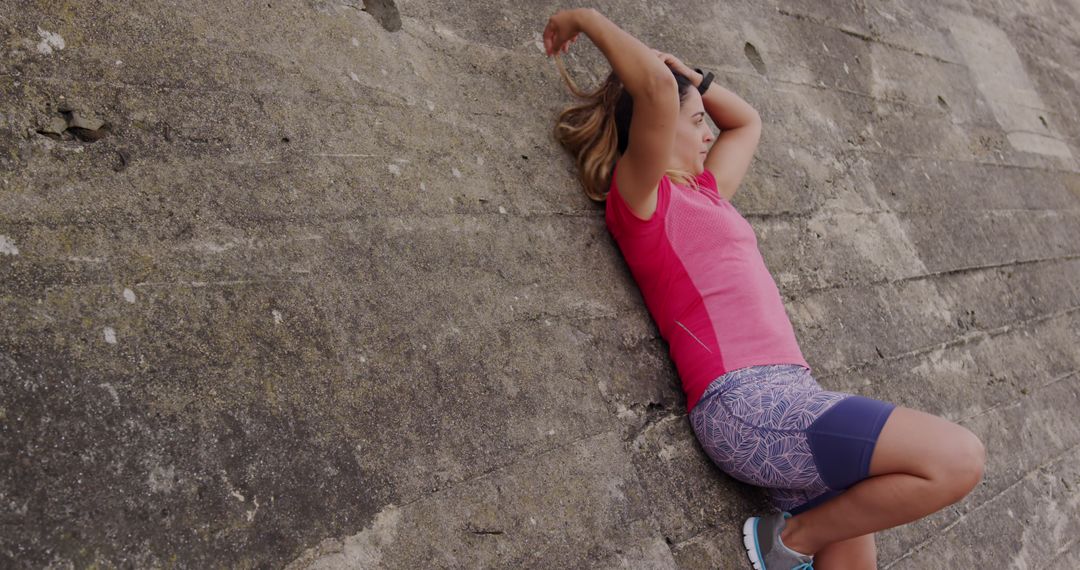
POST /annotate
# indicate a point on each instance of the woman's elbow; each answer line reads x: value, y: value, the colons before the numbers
x: 657, y: 86
x: 753, y: 118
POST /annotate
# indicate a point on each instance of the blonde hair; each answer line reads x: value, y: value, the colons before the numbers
x: 588, y: 131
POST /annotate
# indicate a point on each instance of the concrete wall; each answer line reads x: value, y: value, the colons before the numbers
x: 324, y: 293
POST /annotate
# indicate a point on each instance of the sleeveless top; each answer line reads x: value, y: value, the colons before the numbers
x: 704, y: 282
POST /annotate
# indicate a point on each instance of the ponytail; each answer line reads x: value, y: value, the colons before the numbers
x: 596, y: 131
x: 588, y: 131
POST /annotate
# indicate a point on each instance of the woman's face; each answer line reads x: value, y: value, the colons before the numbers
x: 693, y: 136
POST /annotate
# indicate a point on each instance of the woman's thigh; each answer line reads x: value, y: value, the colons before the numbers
x: 922, y: 444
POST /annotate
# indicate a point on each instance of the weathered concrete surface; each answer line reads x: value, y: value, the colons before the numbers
x: 325, y: 294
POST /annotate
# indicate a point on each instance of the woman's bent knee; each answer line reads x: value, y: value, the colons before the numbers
x: 964, y: 468
x: 943, y: 452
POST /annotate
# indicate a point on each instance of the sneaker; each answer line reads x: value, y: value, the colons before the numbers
x: 761, y: 536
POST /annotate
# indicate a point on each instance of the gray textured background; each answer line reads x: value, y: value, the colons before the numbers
x: 326, y: 293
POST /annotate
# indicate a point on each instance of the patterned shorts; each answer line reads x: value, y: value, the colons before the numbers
x: 775, y: 427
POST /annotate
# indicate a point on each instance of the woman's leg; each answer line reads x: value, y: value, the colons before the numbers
x: 921, y: 463
x: 859, y: 553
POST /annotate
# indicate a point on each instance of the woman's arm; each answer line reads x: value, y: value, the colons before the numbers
x: 639, y: 71
x: 727, y: 110
x: 740, y: 131
x: 730, y: 155
x: 655, y: 94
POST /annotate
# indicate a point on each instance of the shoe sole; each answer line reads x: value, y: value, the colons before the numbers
x: 749, y: 538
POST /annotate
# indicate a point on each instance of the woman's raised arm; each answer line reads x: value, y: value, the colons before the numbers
x: 650, y: 84
x: 740, y: 125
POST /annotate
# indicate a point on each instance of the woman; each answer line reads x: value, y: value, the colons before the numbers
x: 839, y: 467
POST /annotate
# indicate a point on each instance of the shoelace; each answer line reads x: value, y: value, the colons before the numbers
x: 804, y: 566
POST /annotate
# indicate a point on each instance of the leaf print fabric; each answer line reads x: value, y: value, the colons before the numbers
x: 751, y: 423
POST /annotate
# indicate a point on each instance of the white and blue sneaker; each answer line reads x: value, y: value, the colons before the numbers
x: 761, y: 536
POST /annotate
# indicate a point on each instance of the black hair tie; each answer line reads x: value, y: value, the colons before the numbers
x: 706, y: 80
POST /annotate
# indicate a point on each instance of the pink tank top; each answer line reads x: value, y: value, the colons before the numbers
x: 697, y: 263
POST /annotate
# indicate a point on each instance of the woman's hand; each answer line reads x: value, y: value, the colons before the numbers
x: 561, y: 31
x: 678, y: 66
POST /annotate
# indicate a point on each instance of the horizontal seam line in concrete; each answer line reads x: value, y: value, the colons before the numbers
x: 931, y: 275
x: 864, y: 95
x: 907, y: 213
x: 197, y: 284
x: 317, y: 95
x: 1058, y: 138
x: 127, y: 84
x: 194, y: 283
x: 595, y: 214
x: 1058, y: 115
x: 1026, y: 476
x: 509, y: 464
x: 123, y: 221
x: 1018, y: 401
x: 587, y: 317
x: 935, y: 159
x: 958, y: 340
x: 1040, y: 109
x: 860, y: 34
x: 1065, y: 549
x: 891, y: 100
x: 994, y: 16
x: 963, y: 161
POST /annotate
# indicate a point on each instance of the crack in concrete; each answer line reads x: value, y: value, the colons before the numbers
x: 503, y: 466
x: 312, y: 220
x: 1065, y: 549
x: 116, y: 84
x: 946, y: 159
x: 653, y: 422
x: 1017, y: 401
x: 942, y: 273
x: 831, y: 211
x: 959, y: 340
x: 222, y: 283
x: 861, y: 35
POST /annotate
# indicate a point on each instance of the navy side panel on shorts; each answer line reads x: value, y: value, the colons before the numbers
x: 843, y: 439
x: 818, y: 500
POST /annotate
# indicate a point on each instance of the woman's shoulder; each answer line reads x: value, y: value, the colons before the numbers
x: 620, y: 212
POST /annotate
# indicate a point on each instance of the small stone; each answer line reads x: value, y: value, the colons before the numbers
x: 124, y: 159
x: 7, y: 247
x: 57, y: 125
x: 84, y: 126
x: 88, y: 122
